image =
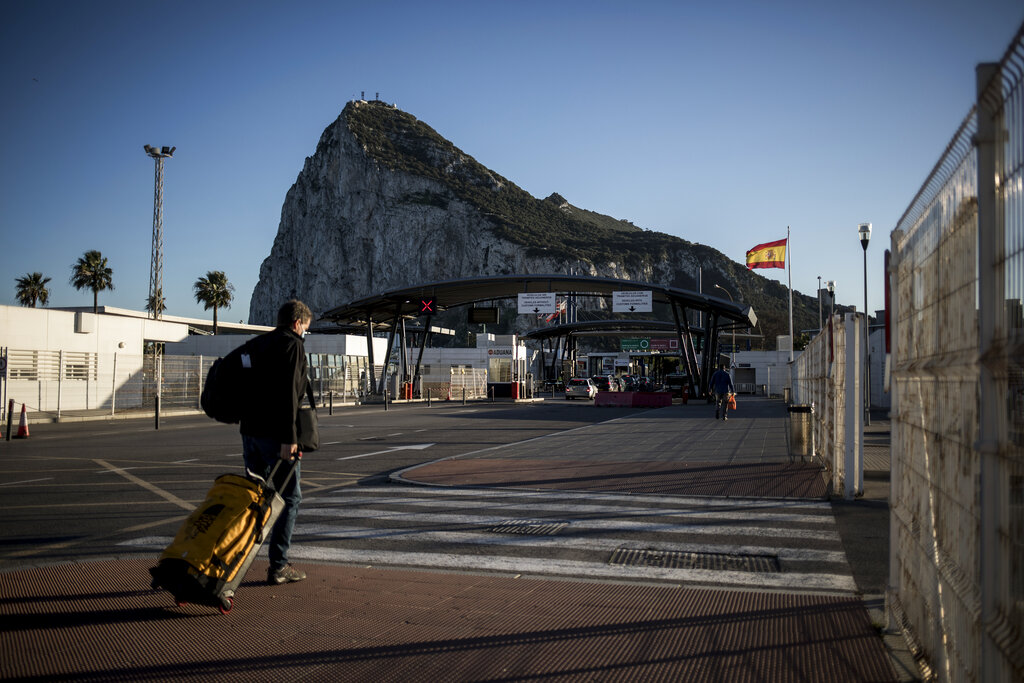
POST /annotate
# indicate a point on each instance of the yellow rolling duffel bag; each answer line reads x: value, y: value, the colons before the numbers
x: 210, y: 555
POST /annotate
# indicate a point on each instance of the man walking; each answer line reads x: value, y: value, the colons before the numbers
x: 721, y: 384
x: 280, y: 370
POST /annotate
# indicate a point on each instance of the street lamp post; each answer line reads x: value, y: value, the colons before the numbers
x: 156, y: 265
x: 864, y: 232
x: 732, y: 361
x: 821, y: 325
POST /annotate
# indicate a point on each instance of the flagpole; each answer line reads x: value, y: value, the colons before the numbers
x: 789, y: 268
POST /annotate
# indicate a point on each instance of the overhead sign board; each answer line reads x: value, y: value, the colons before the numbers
x: 537, y: 302
x: 632, y: 302
x: 635, y: 344
x: 668, y: 344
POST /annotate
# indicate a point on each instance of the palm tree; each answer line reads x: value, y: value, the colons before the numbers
x: 91, y: 272
x: 32, y: 288
x: 159, y: 301
x: 214, y: 291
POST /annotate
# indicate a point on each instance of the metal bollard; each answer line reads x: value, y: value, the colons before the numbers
x: 330, y: 409
x: 10, y: 412
x: 156, y: 416
x: 463, y: 395
x: 429, y: 391
x: 385, y: 399
x: 492, y: 394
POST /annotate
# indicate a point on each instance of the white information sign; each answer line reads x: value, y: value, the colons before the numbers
x: 632, y: 302
x: 537, y: 302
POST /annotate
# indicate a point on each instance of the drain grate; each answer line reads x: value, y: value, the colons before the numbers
x: 673, y: 559
x: 526, y: 526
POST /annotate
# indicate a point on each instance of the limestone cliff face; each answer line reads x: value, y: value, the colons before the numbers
x: 385, y: 202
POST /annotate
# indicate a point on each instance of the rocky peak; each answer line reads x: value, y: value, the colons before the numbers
x: 386, y: 202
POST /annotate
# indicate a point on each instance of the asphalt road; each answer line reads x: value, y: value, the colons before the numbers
x: 75, y: 491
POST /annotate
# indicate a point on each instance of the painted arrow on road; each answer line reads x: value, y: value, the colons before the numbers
x: 411, y: 447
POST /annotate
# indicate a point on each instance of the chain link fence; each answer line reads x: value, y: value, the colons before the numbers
x: 957, y: 278
x: 452, y: 383
x: 820, y: 378
x: 63, y: 384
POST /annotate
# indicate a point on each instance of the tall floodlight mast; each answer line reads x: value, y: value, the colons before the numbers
x: 156, y: 264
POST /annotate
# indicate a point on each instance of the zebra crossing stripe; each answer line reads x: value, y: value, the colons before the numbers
x: 556, y: 567
x: 704, y: 527
x: 598, y: 544
x: 713, y: 514
x: 412, y: 493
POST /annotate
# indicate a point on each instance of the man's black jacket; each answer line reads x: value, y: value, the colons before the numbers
x: 278, y: 386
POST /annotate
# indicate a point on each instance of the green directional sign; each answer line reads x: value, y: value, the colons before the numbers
x: 636, y: 344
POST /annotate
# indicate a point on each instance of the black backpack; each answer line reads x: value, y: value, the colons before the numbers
x: 227, y: 386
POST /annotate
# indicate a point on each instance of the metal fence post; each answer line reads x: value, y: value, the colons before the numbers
x: 990, y: 393
x: 854, y: 414
x: 60, y: 380
x: 113, y: 387
x: 158, y: 374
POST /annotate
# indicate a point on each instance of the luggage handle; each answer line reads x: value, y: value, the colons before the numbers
x: 291, y: 470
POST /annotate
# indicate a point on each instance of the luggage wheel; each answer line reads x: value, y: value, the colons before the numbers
x: 226, y: 604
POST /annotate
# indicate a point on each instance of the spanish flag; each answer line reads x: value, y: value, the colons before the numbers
x: 768, y: 255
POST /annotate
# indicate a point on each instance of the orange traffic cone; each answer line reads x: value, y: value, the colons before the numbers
x: 23, y: 425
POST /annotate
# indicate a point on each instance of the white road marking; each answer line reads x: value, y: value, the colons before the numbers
x: 685, y: 515
x: 703, y: 527
x: 26, y: 481
x: 410, y: 447
x: 412, y: 494
x: 169, y: 497
x: 562, y: 540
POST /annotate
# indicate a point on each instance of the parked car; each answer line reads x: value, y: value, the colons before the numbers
x: 674, y: 382
x: 580, y: 387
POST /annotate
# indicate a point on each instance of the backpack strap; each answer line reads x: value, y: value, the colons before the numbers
x: 309, y: 394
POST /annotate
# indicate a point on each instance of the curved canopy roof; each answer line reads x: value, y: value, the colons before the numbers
x: 383, y: 308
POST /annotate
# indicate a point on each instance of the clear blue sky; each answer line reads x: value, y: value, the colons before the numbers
x: 721, y: 125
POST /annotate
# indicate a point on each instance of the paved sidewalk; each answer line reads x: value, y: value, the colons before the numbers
x: 99, y: 621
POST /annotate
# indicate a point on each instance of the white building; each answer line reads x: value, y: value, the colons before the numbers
x: 62, y: 361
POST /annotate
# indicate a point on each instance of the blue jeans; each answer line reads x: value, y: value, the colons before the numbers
x: 260, y: 455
